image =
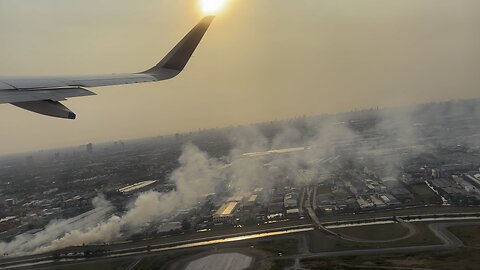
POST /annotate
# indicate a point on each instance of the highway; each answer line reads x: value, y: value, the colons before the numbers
x: 218, y: 237
x: 157, y: 245
x: 449, y: 242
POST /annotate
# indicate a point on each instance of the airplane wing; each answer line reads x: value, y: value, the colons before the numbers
x: 42, y: 94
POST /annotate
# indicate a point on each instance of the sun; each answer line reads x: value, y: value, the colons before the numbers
x: 212, y: 7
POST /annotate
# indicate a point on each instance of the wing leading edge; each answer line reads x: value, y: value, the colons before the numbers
x: 41, y: 94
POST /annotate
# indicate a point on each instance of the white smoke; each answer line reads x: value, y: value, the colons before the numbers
x: 26, y: 243
x: 198, y: 174
x: 195, y: 177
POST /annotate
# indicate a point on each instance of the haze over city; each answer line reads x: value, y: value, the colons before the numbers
x: 260, y: 61
x: 239, y: 134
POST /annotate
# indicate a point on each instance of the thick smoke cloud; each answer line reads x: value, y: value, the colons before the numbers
x: 326, y: 141
x: 25, y: 243
x: 195, y: 178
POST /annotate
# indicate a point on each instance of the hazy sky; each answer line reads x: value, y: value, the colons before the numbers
x: 261, y: 60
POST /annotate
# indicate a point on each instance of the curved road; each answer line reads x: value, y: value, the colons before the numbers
x: 450, y: 241
x: 411, y: 232
x: 180, y: 242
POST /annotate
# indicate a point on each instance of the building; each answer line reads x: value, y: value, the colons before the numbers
x: 89, y: 148
x: 377, y: 202
x: 275, y: 208
x: 137, y: 187
x: 10, y: 202
x: 474, y: 180
x: 237, y: 198
x: 170, y: 226
x: 251, y: 202
x: 252, y: 199
x: 258, y: 190
x: 389, y: 200
x: 364, y: 203
x: 293, y: 213
x: 467, y: 186
x: 396, y: 188
x: 225, y: 214
x: 290, y: 200
x: 76, y: 201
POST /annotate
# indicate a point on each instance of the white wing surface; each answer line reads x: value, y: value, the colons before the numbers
x: 42, y: 94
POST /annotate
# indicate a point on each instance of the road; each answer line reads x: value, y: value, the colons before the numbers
x: 409, y: 226
x: 449, y: 242
x: 157, y: 245
x: 229, y: 235
x: 309, y: 202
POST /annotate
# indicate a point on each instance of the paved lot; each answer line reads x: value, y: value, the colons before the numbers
x: 231, y: 261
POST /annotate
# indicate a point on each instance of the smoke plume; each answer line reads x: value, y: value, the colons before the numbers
x: 318, y: 146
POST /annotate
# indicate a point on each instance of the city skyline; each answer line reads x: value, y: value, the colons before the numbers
x: 358, y: 172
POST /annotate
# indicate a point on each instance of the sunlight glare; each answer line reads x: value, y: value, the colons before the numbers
x: 212, y: 7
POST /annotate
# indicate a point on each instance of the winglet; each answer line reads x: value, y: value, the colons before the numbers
x: 178, y: 57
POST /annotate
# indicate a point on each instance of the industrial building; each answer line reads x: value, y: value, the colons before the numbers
x: 251, y: 202
x: 290, y: 200
x: 225, y: 214
x: 137, y: 187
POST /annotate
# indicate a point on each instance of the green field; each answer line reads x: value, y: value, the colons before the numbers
x: 470, y: 235
x: 320, y: 242
x: 375, y: 232
x: 282, y: 264
x: 104, y: 265
x: 465, y: 259
x: 276, y: 246
x: 285, y: 246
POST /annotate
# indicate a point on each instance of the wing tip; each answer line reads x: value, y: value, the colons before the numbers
x: 176, y: 60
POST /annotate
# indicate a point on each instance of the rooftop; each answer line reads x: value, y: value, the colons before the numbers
x: 227, y: 209
x: 136, y: 186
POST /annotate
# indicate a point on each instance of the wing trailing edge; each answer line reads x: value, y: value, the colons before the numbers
x: 48, y: 108
x: 55, y: 94
x: 45, y: 101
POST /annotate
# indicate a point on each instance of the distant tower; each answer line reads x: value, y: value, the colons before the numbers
x: 90, y: 148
